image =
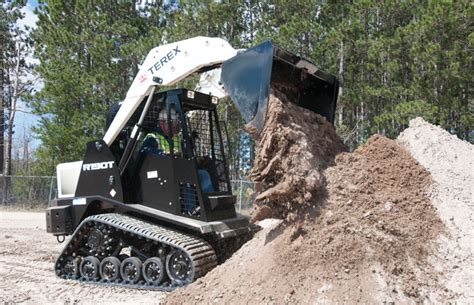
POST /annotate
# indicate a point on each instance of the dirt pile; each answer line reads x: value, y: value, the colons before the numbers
x: 360, y: 231
x: 294, y: 148
x: 378, y: 207
x: 451, y: 164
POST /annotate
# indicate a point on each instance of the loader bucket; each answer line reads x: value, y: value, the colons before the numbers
x: 248, y: 77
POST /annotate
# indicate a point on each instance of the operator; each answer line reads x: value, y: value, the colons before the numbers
x: 158, y: 143
x: 168, y: 135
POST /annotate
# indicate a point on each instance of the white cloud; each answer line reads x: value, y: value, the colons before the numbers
x: 29, y: 18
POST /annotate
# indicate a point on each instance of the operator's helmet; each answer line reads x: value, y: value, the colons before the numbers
x: 163, y: 121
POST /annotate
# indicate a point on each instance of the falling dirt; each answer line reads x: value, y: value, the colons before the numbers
x: 295, y: 147
x: 358, y: 227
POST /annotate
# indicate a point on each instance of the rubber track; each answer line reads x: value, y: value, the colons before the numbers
x: 200, y: 252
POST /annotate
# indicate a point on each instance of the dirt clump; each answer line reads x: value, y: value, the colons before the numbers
x: 294, y: 148
x: 360, y: 230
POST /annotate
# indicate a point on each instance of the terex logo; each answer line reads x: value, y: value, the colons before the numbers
x: 164, y: 60
x: 97, y: 166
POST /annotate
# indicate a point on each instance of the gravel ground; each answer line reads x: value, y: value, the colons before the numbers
x: 27, y: 255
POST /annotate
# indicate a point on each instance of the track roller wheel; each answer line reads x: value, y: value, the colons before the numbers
x: 179, y: 267
x: 153, y: 271
x: 110, y: 268
x: 89, y: 268
x: 70, y: 267
x: 131, y: 269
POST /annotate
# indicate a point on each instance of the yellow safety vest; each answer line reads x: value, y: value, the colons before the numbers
x: 165, y: 145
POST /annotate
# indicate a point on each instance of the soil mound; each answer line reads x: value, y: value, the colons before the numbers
x: 359, y: 231
x: 379, y: 207
x: 451, y: 164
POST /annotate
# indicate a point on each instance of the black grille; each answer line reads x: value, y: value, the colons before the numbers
x: 189, y: 199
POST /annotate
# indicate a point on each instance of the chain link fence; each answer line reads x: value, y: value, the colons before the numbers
x: 245, y: 192
x: 27, y: 191
x: 38, y: 191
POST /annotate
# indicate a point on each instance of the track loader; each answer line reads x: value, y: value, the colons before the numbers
x: 150, y: 205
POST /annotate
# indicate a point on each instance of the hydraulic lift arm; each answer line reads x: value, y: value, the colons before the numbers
x: 166, y: 65
x: 244, y: 75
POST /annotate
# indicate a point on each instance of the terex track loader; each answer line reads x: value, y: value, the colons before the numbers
x: 150, y: 206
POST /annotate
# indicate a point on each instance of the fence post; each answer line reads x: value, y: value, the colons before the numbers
x: 50, y: 191
x: 240, y: 201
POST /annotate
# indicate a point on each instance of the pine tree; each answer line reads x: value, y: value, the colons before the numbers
x: 395, y: 60
x: 89, y: 53
x: 12, y: 81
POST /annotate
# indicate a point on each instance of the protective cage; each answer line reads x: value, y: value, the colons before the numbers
x: 193, y: 159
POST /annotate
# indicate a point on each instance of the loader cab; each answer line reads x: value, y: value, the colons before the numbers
x: 178, y: 163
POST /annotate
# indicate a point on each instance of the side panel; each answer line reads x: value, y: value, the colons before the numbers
x: 249, y: 76
x: 99, y: 173
x: 159, y: 183
x: 246, y: 77
x: 171, y: 185
x: 67, y: 178
x: 155, y: 186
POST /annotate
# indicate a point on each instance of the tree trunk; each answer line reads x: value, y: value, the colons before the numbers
x: 341, y: 82
x: 7, y: 171
x: 2, y: 147
x: 26, y: 153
